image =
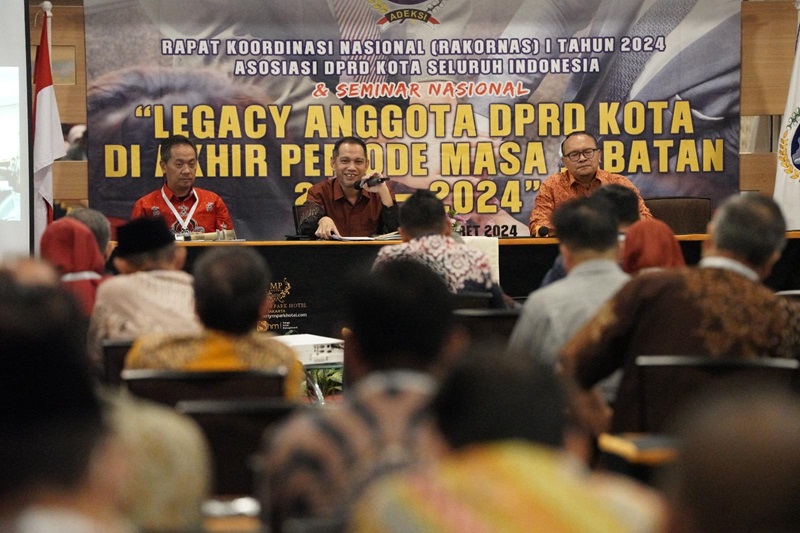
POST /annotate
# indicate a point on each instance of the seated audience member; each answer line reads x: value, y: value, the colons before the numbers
x: 169, y: 474
x: 587, y: 231
x: 186, y: 209
x: 151, y: 294
x: 650, y: 244
x: 581, y: 176
x: 400, y: 336
x: 30, y: 271
x: 738, y: 470
x: 70, y: 246
x: 425, y: 231
x: 60, y: 468
x: 502, y: 421
x: 625, y: 203
x: 231, y: 288
x: 719, y: 309
x: 345, y: 205
x: 100, y: 226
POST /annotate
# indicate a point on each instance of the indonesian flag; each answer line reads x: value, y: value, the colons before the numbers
x: 48, y: 141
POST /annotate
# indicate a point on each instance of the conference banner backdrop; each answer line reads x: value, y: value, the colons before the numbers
x: 468, y: 99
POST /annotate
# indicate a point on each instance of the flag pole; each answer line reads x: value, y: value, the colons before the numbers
x: 48, y: 141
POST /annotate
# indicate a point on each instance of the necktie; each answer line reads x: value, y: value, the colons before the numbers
x: 662, y: 17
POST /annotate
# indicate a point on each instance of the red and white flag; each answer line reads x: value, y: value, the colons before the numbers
x: 48, y: 141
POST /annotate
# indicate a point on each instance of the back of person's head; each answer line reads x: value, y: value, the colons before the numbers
x: 400, y: 314
x: 145, y: 243
x: 738, y: 467
x: 70, y: 246
x: 50, y: 418
x: 170, y: 465
x: 650, y: 244
x: 423, y: 214
x: 624, y: 200
x: 751, y: 226
x: 586, y: 224
x: 491, y: 396
x: 97, y: 222
x: 230, y: 286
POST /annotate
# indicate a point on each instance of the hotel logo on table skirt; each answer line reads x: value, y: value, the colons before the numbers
x: 284, y: 315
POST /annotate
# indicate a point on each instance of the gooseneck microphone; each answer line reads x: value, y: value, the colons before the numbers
x: 375, y: 179
x: 542, y: 231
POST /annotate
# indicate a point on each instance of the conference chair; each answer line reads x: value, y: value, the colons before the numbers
x: 169, y: 387
x: 485, y: 323
x: 668, y: 381
x: 472, y: 300
x: 113, y: 353
x: 234, y: 430
x: 685, y: 215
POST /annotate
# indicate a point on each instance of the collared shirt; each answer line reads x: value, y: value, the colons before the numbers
x: 211, y: 213
x: 562, y: 187
x: 217, y: 351
x: 728, y: 264
x: 551, y: 315
x: 367, y: 217
x: 710, y: 311
x: 463, y: 268
x: 131, y: 305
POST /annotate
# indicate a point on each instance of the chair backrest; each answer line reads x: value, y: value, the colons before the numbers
x: 668, y: 381
x: 484, y: 323
x: 683, y: 214
x: 472, y: 300
x: 114, y: 352
x: 234, y: 430
x: 171, y: 386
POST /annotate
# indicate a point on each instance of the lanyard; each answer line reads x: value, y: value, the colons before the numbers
x: 183, y: 222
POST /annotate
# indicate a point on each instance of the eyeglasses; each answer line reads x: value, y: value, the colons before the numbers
x: 588, y: 154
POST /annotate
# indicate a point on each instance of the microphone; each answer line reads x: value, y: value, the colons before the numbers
x: 375, y: 179
x: 542, y: 231
x: 219, y: 235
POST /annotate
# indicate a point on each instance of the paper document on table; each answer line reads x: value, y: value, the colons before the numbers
x: 393, y: 236
x: 340, y: 238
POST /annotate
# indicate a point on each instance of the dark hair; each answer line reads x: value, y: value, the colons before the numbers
x: 586, y: 224
x: 751, y: 226
x: 175, y: 140
x: 624, y: 200
x: 492, y: 395
x: 95, y: 221
x: 230, y: 285
x: 422, y: 214
x: 400, y: 313
x: 573, y: 134
x: 50, y: 417
x: 349, y: 140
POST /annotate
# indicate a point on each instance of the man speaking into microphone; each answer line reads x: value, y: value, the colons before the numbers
x: 349, y: 204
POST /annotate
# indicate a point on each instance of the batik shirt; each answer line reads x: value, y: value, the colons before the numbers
x: 562, y: 187
x: 464, y: 269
